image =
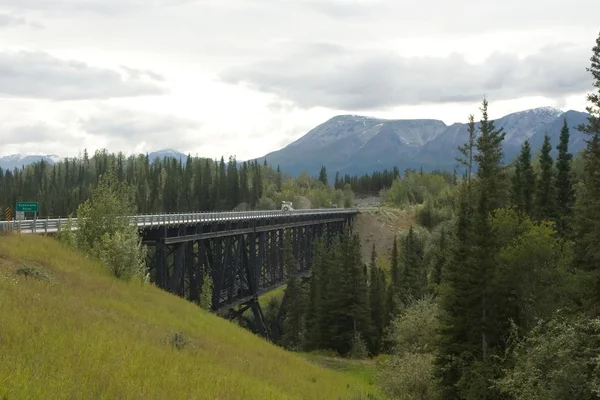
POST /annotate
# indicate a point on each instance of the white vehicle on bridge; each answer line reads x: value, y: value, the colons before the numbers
x: 286, y: 206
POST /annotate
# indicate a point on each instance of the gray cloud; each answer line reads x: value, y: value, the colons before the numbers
x: 7, y: 20
x: 136, y: 126
x: 103, y: 7
x: 40, y: 75
x: 336, y: 77
x: 39, y: 132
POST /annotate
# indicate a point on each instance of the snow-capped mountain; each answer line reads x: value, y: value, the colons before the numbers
x: 18, y: 160
x: 356, y: 145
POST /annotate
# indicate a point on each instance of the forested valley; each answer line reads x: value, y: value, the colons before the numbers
x: 494, y: 293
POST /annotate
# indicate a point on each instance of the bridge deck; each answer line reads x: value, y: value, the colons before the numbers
x: 51, y: 225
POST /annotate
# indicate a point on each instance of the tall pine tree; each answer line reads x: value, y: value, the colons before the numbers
x: 377, y: 302
x: 587, y: 212
x: 545, y: 198
x: 468, y: 331
x: 523, y: 185
x: 565, y: 195
x: 294, y: 313
x: 395, y: 286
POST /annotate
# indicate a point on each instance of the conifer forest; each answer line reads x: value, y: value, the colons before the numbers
x: 492, y: 293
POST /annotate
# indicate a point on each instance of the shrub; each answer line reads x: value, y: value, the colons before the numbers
x: 409, y: 377
x: 33, y: 272
x: 414, y: 331
x: 206, y: 292
x: 104, y: 232
x: 179, y: 340
x: 410, y: 372
x: 559, y: 359
x: 359, y: 347
x: 122, y: 253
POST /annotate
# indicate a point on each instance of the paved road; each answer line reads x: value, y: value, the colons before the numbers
x: 42, y: 226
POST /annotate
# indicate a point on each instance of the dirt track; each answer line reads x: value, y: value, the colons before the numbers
x: 378, y: 226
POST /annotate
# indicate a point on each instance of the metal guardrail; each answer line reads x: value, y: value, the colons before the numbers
x: 50, y: 225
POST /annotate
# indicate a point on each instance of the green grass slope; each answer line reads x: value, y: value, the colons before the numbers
x: 78, y: 333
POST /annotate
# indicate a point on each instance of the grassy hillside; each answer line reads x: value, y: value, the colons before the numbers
x: 76, y: 332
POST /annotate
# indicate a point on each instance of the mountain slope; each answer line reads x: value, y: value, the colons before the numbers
x: 442, y: 150
x: 350, y: 142
x: 83, y: 334
x: 357, y: 145
x: 170, y: 153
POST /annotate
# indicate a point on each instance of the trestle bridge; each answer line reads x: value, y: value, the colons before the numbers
x: 241, y: 251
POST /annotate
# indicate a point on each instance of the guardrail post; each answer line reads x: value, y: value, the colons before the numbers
x: 46, y: 226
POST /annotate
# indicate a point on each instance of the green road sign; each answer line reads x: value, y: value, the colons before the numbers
x: 27, y: 206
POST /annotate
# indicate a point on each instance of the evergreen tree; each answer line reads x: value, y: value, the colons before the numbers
x: 244, y: 197
x: 359, y: 304
x: 278, y: 179
x: 207, y: 202
x: 412, y: 271
x: 294, y: 313
x: 395, y: 286
x: 587, y: 211
x: 468, y: 333
x: 323, y: 175
x: 467, y: 149
x: 546, y: 195
x: 377, y: 302
x: 440, y: 260
x: 313, y: 337
x: 565, y: 194
x: 523, y: 185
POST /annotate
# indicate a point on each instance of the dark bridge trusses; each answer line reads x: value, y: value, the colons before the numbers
x: 244, y: 258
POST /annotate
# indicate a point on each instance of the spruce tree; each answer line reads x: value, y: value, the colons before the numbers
x: 359, y: 305
x: 468, y: 332
x: 412, y: 271
x: 587, y: 209
x: 377, y: 302
x: 545, y: 194
x: 565, y: 194
x: 313, y: 336
x: 323, y: 175
x: 467, y: 149
x: 395, y: 286
x: 440, y: 260
x: 294, y: 312
x: 523, y: 184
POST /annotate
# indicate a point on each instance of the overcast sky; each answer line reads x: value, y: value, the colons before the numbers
x: 245, y: 77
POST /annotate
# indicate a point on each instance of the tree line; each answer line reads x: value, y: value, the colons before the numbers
x: 164, y: 185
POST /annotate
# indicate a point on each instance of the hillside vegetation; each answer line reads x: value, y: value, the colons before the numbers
x: 71, y: 330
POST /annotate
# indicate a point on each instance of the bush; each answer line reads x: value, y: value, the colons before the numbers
x: 104, y: 232
x: 34, y: 272
x: 414, y: 331
x: 409, y: 377
x: 410, y: 373
x: 122, y: 253
x: 559, y: 359
x: 179, y: 340
x: 206, y: 292
x: 265, y: 204
x: 359, y: 347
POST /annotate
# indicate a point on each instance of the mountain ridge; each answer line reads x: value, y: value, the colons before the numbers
x: 356, y: 145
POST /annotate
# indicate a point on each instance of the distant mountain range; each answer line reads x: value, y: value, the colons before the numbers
x: 18, y: 161
x: 357, y: 145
